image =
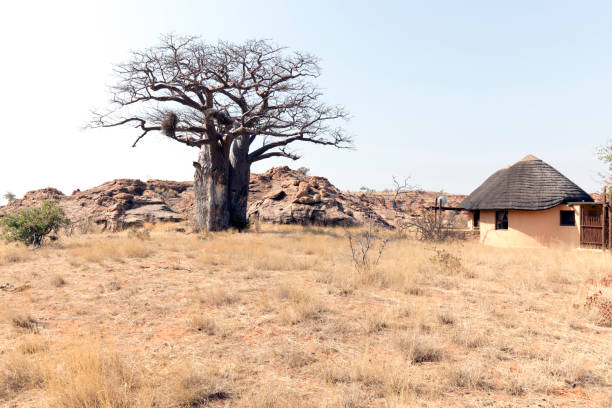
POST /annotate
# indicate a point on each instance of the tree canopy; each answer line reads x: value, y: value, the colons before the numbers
x: 199, y: 93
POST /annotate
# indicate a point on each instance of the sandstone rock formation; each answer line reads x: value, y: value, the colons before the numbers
x: 280, y: 195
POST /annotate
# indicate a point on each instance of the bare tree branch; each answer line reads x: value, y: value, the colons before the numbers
x: 221, y: 91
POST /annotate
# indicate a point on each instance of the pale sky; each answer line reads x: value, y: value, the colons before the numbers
x: 445, y: 92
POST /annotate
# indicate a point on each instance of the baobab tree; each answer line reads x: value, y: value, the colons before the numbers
x: 236, y: 103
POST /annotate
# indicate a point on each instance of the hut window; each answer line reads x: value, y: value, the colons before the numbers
x: 501, y: 220
x: 476, y: 223
x: 568, y: 219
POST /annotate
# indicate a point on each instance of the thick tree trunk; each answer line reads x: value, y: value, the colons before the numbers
x: 240, y: 174
x: 211, y: 190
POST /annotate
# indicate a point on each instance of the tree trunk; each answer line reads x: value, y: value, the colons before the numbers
x: 210, y: 188
x: 240, y: 174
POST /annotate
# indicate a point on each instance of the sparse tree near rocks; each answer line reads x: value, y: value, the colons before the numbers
x: 400, y: 188
x: 430, y: 224
x: 8, y: 196
x: 236, y: 103
x: 31, y: 226
x: 304, y: 171
x: 604, y: 153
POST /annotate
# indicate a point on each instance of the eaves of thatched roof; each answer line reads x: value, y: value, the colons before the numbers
x: 530, y: 184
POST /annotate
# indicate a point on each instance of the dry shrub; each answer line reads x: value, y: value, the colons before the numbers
x: 415, y: 291
x: 217, y: 296
x: 447, y: 261
x: 293, y: 357
x: 420, y: 349
x: 353, y: 398
x: 87, y: 377
x: 367, y: 247
x: 574, y: 370
x: 58, y: 281
x: 203, y: 324
x: 446, y: 317
x: 198, y: 385
x: 376, y: 322
x: 469, y: 336
x: 22, y: 320
x: 32, y: 345
x: 19, y: 372
x: 470, y: 375
x: 14, y: 253
x: 142, y: 234
x: 515, y: 386
x: 302, y: 305
x: 603, y: 307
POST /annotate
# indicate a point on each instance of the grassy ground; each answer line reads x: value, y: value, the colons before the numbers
x: 285, y: 318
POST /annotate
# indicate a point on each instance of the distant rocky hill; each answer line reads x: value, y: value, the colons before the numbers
x: 280, y: 195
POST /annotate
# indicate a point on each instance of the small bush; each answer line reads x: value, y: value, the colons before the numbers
x: 24, y: 321
x: 603, y: 306
x: 203, y: 324
x: 141, y: 234
x: 217, y: 296
x: 367, y: 248
x: 446, y: 317
x: 449, y: 262
x: 304, y: 171
x: 18, y: 373
x: 30, y: 226
x: 8, y: 196
x: 420, y: 349
x: 58, y: 281
x: 468, y: 376
x: 199, y: 386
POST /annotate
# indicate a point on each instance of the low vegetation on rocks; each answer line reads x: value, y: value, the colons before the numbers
x: 278, y: 196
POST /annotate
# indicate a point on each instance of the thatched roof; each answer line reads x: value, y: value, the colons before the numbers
x: 530, y: 184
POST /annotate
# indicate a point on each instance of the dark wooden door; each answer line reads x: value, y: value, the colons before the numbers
x: 591, y: 228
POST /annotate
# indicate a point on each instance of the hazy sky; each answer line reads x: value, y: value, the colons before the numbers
x: 444, y: 92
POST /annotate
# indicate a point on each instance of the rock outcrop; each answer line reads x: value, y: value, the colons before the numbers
x: 280, y: 195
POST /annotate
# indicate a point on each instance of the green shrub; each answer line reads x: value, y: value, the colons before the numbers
x: 31, y: 225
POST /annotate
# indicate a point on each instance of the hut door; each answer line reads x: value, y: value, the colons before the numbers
x: 591, y: 227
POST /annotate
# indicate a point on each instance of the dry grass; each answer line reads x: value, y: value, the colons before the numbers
x: 32, y: 345
x: 421, y: 349
x: 19, y: 372
x: 195, y: 386
x: 87, y: 377
x: 217, y: 296
x: 110, y: 248
x: 301, y: 305
x: 469, y: 375
x: 14, y: 253
x: 281, y: 318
